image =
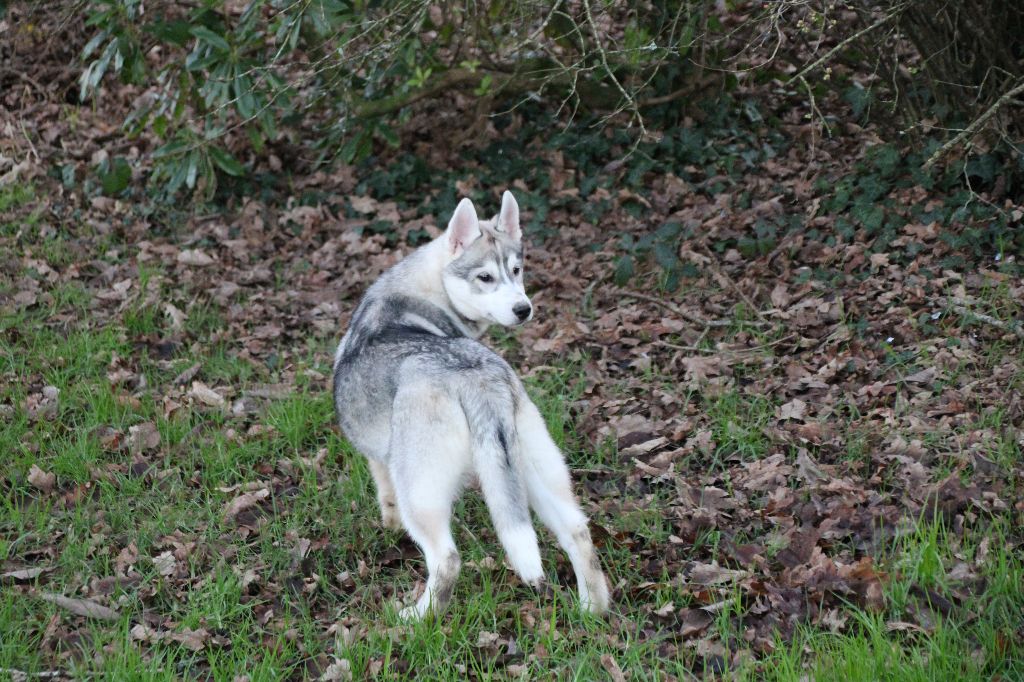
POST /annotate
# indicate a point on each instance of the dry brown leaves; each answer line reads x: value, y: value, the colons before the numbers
x: 798, y: 526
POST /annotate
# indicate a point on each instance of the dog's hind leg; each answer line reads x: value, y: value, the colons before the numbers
x: 551, y: 496
x: 496, y: 460
x: 385, y: 494
x: 425, y: 504
x: 430, y: 528
x: 428, y: 457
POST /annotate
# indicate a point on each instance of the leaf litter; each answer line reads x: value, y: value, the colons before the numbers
x: 878, y: 391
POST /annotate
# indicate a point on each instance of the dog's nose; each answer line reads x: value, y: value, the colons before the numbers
x: 522, y: 311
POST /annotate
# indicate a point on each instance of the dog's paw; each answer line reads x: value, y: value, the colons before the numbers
x: 423, y: 608
x: 531, y: 574
x: 545, y: 590
x: 523, y: 554
x: 410, y: 614
x: 391, y: 520
x: 595, y: 598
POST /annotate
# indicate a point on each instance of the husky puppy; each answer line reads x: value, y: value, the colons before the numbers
x: 432, y: 408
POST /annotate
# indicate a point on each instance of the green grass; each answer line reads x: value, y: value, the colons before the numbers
x: 335, y: 502
x: 267, y: 609
x: 883, y: 646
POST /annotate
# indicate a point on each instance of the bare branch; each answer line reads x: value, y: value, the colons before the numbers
x: 856, y: 36
x: 973, y: 129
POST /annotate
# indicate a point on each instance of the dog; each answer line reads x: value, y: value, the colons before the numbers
x: 432, y: 409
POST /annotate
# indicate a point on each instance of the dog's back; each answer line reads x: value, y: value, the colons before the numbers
x: 396, y: 342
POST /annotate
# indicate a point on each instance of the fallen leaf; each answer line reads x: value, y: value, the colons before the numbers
x: 272, y: 391
x: 695, y: 621
x: 925, y: 376
x: 194, y: 257
x: 187, y: 376
x: 243, y: 502
x: 644, y: 447
x: 25, y: 299
x: 144, y: 633
x: 126, y: 558
x: 144, y: 436
x: 807, y: 469
x: 111, y: 584
x: 24, y: 573
x: 176, y: 315
x: 699, y: 368
x: 794, y: 409
x: 780, y: 295
x: 206, y: 395
x: 363, y: 205
x: 613, y: 669
x: 165, y: 564
x: 713, y: 574
x: 903, y: 626
x: 41, y: 480
x: 487, y: 639
x: 874, y: 598
x: 81, y: 607
x: 341, y: 669
x: 834, y: 620
x: 190, y: 639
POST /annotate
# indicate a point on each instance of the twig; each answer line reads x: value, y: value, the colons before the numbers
x: 611, y: 74
x: 864, y: 31
x: 815, y: 110
x: 33, y: 82
x: 960, y: 306
x: 732, y: 284
x: 726, y: 351
x: 35, y: 152
x: 449, y: 79
x: 538, y: 30
x: 689, y: 90
x: 689, y: 349
x: 22, y: 675
x: 668, y: 305
x: 971, y: 130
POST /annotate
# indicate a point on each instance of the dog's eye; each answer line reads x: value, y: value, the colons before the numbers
x: 485, y: 277
x: 516, y: 270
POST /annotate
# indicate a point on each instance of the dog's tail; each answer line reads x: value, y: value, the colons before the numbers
x: 498, y: 463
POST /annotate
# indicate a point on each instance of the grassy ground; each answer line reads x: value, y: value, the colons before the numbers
x: 146, y: 515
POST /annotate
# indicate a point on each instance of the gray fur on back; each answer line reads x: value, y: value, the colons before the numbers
x: 397, y: 338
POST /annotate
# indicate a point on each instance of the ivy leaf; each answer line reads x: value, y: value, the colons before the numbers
x: 226, y: 162
x: 116, y: 178
x: 624, y: 269
x: 209, y: 37
x: 666, y: 257
x: 176, y: 32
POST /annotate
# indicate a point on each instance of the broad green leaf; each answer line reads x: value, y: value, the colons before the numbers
x: 226, y: 162
x: 117, y: 176
x: 389, y: 135
x: 207, y: 36
x: 176, y: 32
x: 193, y: 170
x: 624, y: 269
x: 665, y: 255
x: 93, y: 43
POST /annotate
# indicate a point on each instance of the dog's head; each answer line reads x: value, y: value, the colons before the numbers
x: 484, y: 274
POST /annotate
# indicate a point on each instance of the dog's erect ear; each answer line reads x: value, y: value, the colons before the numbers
x: 463, y: 228
x: 508, y: 219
